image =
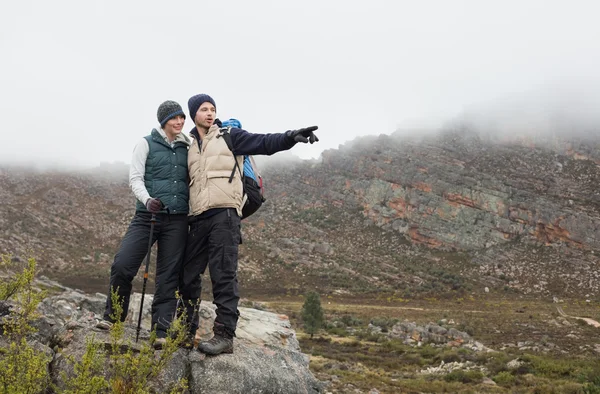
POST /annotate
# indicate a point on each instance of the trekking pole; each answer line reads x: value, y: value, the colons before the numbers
x: 152, y: 221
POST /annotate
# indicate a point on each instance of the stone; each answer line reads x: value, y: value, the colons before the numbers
x: 266, y: 359
x: 514, y: 364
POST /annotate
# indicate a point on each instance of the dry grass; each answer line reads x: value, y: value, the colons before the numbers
x: 565, y: 361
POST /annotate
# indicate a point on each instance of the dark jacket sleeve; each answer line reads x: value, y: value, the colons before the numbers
x: 245, y: 143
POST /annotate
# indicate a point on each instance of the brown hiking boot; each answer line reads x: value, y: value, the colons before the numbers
x: 221, y: 342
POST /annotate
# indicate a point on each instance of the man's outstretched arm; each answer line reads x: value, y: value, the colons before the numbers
x: 245, y: 143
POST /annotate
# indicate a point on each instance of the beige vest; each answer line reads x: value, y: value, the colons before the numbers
x: 210, y: 169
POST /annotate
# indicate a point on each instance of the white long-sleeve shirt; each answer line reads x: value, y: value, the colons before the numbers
x: 137, y: 170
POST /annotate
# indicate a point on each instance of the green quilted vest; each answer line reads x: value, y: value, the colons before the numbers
x: 166, y: 174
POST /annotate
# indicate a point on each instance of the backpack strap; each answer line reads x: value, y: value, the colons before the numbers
x: 224, y: 132
x: 259, y: 178
x: 254, y: 167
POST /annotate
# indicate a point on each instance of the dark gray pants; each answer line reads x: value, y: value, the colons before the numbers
x: 171, y: 232
x: 212, y: 242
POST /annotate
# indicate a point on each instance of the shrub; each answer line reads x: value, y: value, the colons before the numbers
x: 130, y: 372
x: 504, y: 379
x: 384, y: 322
x: 24, y: 369
x: 496, y: 365
x: 339, y: 331
x: 428, y: 351
x: 351, y: 321
x: 464, y: 376
x: 369, y: 336
x: 448, y: 355
x: 592, y: 386
x: 552, y: 368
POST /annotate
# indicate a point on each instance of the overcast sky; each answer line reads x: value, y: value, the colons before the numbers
x: 80, y: 81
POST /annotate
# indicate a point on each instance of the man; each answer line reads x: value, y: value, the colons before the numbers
x: 216, y: 200
x: 158, y: 178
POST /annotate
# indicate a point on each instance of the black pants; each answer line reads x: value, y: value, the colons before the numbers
x: 171, y: 232
x: 212, y: 242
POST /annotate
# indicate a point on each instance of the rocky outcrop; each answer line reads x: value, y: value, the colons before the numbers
x: 434, y: 334
x: 254, y: 366
x: 266, y: 357
x: 459, y: 190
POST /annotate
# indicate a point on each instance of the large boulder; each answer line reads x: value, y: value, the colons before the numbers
x: 255, y: 327
x: 266, y: 357
x: 252, y: 369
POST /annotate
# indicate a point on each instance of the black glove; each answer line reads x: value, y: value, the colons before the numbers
x: 303, y: 135
x: 153, y: 205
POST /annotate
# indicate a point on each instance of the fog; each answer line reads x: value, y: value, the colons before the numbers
x: 80, y: 82
x: 556, y: 110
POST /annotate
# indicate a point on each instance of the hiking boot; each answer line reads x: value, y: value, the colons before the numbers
x: 221, y: 342
x: 104, y: 325
x: 159, y: 343
x: 216, y: 345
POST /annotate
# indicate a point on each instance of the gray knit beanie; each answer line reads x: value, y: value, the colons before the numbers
x: 168, y: 110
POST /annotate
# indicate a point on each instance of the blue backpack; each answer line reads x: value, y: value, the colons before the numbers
x: 251, y: 179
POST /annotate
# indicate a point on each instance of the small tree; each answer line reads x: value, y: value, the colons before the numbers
x: 312, y: 313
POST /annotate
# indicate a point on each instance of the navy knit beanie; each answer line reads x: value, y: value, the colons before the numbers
x: 196, y: 101
x: 168, y: 110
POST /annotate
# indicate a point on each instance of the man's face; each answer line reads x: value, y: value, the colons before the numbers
x: 206, y: 115
x: 174, y: 125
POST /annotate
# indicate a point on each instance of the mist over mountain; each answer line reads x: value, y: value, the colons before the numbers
x: 551, y: 111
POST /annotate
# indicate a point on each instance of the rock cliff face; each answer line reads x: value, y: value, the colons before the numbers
x: 455, y: 211
x: 521, y: 214
x: 459, y: 191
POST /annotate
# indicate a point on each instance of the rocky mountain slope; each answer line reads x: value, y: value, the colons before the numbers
x: 389, y: 215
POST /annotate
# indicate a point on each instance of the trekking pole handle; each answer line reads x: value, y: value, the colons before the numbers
x: 163, y: 208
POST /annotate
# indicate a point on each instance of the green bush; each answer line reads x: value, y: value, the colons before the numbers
x: 464, y: 376
x: 504, y: 378
x: 495, y: 366
x: 590, y: 388
x: 552, y: 368
x: 428, y: 351
x: 395, y: 346
x: 593, y: 385
x: 448, y: 355
x: 466, y: 328
x: 385, y: 323
x: 339, y: 331
x: 24, y: 369
x: 351, y: 321
x: 367, y: 335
